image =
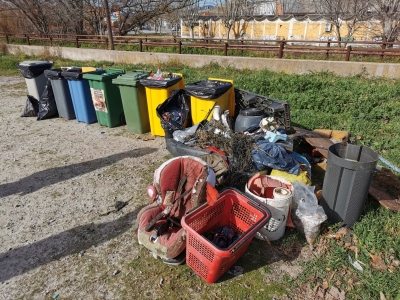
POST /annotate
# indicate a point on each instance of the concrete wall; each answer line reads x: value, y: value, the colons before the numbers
x: 292, y: 66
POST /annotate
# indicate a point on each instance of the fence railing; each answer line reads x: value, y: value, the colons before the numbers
x: 278, y: 48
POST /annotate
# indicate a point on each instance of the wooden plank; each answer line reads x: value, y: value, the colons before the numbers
x: 384, y: 198
x: 319, y: 142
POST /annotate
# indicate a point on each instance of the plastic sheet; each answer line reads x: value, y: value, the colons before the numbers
x: 180, y: 135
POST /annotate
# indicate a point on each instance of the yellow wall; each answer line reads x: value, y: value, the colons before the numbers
x: 298, y: 30
x: 292, y: 29
x: 314, y: 29
x: 270, y: 29
x: 283, y: 30
x: 258, y: 30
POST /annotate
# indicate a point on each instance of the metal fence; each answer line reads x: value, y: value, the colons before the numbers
x: 342, y: 50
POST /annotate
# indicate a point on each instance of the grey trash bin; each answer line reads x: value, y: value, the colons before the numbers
x: 61, y: 91
x: 349, y: 173
x: 33, y: 72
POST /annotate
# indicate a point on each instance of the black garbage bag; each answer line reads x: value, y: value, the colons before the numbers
x: 163, y: 83
x: 47, y: 103
x: 208, y: 89
x: 34, y: 69
x: 174, y: 112
x: 31, y: 107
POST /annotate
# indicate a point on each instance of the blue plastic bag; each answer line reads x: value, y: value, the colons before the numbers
x: 266, y: 154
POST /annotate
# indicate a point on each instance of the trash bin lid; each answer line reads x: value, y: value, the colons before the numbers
x: 77, y: 74
x: 53, y: 74
x: 131, y: 78
x: 57, y: 73
x: 103, y: 75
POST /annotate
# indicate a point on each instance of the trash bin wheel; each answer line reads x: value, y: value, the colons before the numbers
x: 123, y: 120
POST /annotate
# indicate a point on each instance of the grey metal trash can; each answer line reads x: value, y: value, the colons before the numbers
x: 33, y: 72
x: 349, y: 173
x: 61, y: 91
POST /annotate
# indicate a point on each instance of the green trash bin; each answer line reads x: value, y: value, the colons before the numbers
x: 106, y: 97
x: 134, y: 101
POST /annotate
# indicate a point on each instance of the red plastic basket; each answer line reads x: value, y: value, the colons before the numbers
x: 244, y: 215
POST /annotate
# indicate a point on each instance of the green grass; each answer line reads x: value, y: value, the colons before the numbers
x: 377, y: 232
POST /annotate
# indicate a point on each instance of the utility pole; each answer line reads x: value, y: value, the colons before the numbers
x: 109, y: 28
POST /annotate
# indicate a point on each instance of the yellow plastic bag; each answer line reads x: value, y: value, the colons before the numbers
x: 303, y: 176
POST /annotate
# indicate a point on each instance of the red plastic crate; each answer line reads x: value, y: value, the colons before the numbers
x: 244, y: 215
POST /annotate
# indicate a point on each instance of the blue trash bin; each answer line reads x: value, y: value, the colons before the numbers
x: 81, y: 96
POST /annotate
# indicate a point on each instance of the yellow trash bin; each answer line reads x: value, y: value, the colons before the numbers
x: 207, y: 93
x: 157, y: 91
x: 232, y: 101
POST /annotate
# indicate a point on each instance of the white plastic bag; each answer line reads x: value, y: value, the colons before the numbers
x: 307, y: 215
x: 180, y: 135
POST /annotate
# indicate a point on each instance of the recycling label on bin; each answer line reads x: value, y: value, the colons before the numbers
x: 99, y: 101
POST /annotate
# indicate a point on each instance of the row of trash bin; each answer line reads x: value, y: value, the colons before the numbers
x: 112, y: 97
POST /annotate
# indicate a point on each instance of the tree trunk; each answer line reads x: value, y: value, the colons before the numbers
x: 229, y: 31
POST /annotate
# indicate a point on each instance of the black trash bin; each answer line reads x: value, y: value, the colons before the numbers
x: 61, y: 92
x: 349, y: 173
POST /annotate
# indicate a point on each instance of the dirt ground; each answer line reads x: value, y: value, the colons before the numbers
x: 57, y: 180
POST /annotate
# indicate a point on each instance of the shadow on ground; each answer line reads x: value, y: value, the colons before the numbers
x: 44, y: 178
x: 20, y: 260
x: 263, y: 253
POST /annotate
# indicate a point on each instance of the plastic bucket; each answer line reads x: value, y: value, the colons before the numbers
x: 349, y: 173
x: 278, y: 201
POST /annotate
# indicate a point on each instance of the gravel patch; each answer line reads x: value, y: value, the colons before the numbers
x: 58, y: 180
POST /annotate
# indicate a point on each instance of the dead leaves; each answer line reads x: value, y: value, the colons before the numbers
x: 377, y: 262
x: 329, y: 293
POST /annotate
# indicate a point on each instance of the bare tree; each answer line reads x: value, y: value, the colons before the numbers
x: 339, y: 12
x: 233, y: 10
x: 37, y: 12
x: 94, y: 17
x: 9, y: 19
x: 388, y: 13
x: 135, y: 13
x: 79, y: 16
x: 292, y: 6
x: 357, y: 15
x: 73, y: 14
x: 190, y: 16
x: 174, y: 20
